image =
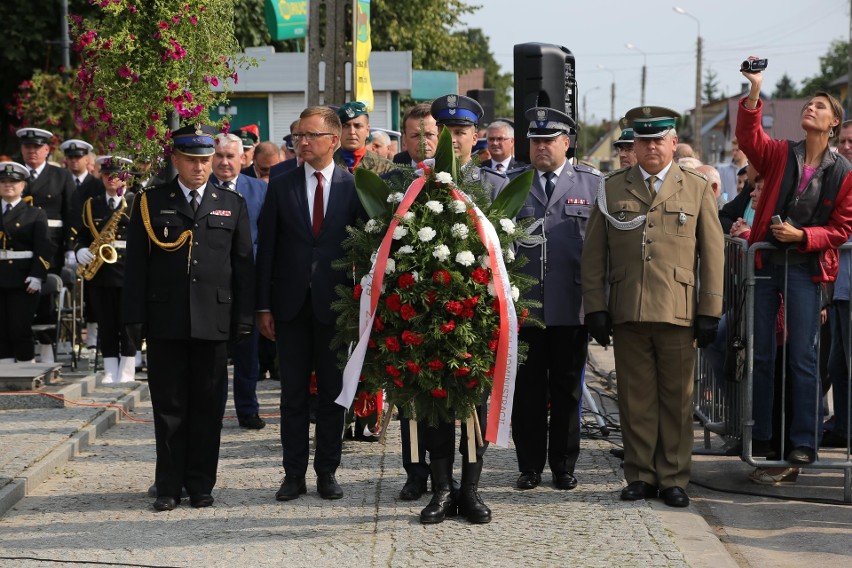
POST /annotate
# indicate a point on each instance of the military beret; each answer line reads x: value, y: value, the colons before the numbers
x: 14, y: 170
x: 456, y: 110
x: 34, y: 136
x: 196, y: 140
x: 651, y: 121
x: 350, y: 110
x: 548, y: 123
x: 75, y: 148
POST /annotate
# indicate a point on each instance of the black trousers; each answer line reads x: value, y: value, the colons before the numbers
x: 304, y: 346
x: 112, y: 337
x: 552, y: 372
x: 439, y: 441
x: 17, y: 310
x: 185, y: 378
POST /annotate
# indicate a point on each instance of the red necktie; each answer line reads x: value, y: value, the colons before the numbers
x: 318, y: 204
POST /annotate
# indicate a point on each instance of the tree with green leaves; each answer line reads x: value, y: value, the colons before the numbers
x: 785, y: 88
x: 833, y: 65
x: 711, y: 86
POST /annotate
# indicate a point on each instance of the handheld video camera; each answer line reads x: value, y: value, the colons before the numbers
x: 754, y: 65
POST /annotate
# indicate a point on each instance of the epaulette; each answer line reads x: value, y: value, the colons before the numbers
x: 694, y: 172
x: 587, y: 169
x: 223, y: 188
x: 491, y: 170
x: 517, y: 170
x: 615, y: 172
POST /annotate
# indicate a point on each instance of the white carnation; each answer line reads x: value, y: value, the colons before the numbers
x: 485, y: 261
x: 507, y: 225
x: 399, y: 232
x: 426, y: 234
x: 408, y: 217
x: 373, y: 226
x: 435, y: 206
x: 441, y: 252
x: 390, y: 267
x: 465, y: 258
x: 443, y: 177
x: 458, y: 206
x: 405, y: 249
x: 509, y: 255
x: 395, y: 197
x: 492, y: 290
x: 459, y: 230
x: 415, y: 275
x: 515, y: 293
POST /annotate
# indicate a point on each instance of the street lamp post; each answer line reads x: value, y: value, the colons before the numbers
x: 586, y: 119
x: 611, y: 95
x: 644, y: 70
x: 698, y: 111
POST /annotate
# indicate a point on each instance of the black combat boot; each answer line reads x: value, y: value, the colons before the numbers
x: 470, y: 503
x: 442, y: 504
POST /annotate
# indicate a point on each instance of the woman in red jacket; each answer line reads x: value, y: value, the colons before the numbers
x: 808, y: 187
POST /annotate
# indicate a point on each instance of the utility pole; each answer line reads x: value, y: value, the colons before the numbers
x: 66, y: 52
x: 328, y: 46
x: 698, y: 110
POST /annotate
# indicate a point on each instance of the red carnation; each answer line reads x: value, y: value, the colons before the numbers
x: 406, y: 281
x: 441, y: 277
x: 435, y: 364
x: 467, y: 313
x: 471, y: 302
x: 490, y: 371
x: 454, y: 307
x: 394, y: 302
x: 393, y: 371
x: 524, y: 313
x: 462, y: 372
x: 495, y: 305
x: 398, y: 383
x: 407, y: 312
x: 431, y: 296
x: 410, y: 338
x: 480, y: 276
x: 492, y: 345
x: 472, y: 383
x: 392, y: 343
x: 378, y: 324
x: 357, y: 291
x: 371, y: 344
x: 439, y: 393
x: 413, y: 367
x: 448, y: 327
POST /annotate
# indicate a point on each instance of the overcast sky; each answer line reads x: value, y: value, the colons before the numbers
x: 791, y: 34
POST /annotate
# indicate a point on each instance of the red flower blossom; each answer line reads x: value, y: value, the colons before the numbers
x: 163, y: 25
x: 435, y: 364
x: 364, y: 405
x: 471, y: 302
x: 480, y: 276
x: 439, y: 393
x: 406, y: 281
x: 495, y: 305
x: 471, y: 383
x: 462, y: 371
x: 467, y: 313
x: 124, y: 71
x: 413, y: 367
x: 441, y: 277
x: 524, y: 313
x: 392, y: 343
x: 492, y: 345
x: 378, y: 324
x: 392, y: 371
x: 394, y: 302
x: 371, y: 344
x: 411, y: 338
x: 398, y: 383
x: 454, y: 307
x: 407, y: 312
x: 357, y: 291
x: 431, y: 296
x: 448, y: 327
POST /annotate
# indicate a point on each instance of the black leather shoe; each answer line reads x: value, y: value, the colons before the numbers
x: 638, y: 490
x: 361, y: 437
x: 201, y: 500
x: 254, y: 422
x: 674, y: 497
x: 327, y: 486
x: 528, y: 480
x: 413, y: 489
x: 564, y: 480
x: 802, y: 454
x: 291, y: 488
x: 166, y: 503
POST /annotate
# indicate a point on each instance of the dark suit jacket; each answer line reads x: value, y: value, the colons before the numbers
x: 512, y: 164
x: 108, y: 275
x: 249, y: 171
x: 202, y: 297
x: 290, y: 261
x: 54, y: 191
x: 734, y: 209
x: 283, y: 167
x: 24, y: 229
x: 402, y: 158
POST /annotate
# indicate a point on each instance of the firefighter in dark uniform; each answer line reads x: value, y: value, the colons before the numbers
x: 560, y: 200
x: 189, y: 282
x: 24, y: 250
x: 104, y: 225
x: 51, y: 189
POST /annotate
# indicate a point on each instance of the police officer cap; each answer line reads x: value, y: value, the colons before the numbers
x: 456, y: 110
x: 350, y: 110
x: 35, y: 136
x: 194, y: 140
x: 113, y: 163
x: 14, y: 170
x: 651, y: 121
x: 248, y: 138
x: 625, y: 138
x: 288, y: 141
x: 75, y: 148
x: 481, y: 144
x: 548, y: 123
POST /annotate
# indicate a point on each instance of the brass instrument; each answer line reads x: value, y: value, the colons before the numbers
x: 101, y: 248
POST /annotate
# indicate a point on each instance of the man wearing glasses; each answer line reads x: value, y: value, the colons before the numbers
x: 500, y: 136
x: 302, y: 225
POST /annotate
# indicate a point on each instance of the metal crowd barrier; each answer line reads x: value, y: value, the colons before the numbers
x: 723, y: 404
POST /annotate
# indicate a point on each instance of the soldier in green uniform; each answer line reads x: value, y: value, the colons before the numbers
x: 353, y: 152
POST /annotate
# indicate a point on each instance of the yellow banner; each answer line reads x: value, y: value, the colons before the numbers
x: 362, y: 86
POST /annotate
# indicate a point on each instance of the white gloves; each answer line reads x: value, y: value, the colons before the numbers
x: 33, y: 284
x: 70, y: 259
x: 85, y: 256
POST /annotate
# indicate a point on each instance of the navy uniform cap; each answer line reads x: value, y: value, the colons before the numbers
x: 14, y: 170
x: 548, y: 123
x: 196, y: 140
x: 481, y: 144
x: 625, y: 138
x: 288, y: 141
x: 113, y: 163
x: 350, y: 110
x: 456, y: 110
x: 75, y: 148
x: 651, y: 121
x: 36, y: 136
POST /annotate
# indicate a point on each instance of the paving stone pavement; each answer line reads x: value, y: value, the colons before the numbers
x: 93, y: 510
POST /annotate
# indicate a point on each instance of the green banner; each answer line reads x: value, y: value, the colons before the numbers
x: 286, y: 19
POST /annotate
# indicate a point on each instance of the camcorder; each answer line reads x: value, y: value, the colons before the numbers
x: 754, y: 65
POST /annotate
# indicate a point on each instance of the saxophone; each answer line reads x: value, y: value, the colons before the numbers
x: 101, y: 248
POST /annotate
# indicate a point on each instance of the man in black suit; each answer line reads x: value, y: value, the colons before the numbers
x: 189, y: 281
x: 301, y: 231
x: 51, y: 189
x: 419, y: 135
x: 500, y: 136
